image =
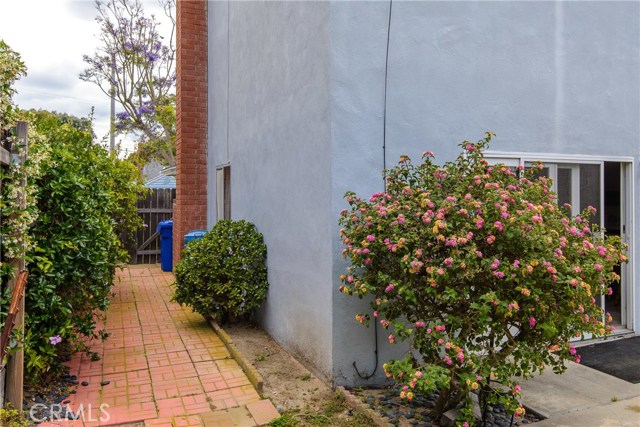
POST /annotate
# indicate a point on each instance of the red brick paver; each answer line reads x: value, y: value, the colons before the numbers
x: 164, y: 363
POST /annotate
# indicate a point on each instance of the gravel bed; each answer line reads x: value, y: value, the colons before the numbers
x: 387, y: 403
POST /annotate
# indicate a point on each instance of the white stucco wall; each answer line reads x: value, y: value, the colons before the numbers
x: 269, y: 116
x: 546, y: 77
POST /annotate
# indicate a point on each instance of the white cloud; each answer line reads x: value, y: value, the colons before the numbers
x: 51, y: 36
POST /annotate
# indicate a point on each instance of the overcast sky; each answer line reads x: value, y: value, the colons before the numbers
x: 51, y: 36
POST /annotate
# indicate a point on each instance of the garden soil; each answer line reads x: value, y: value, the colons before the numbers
x: 292, y: 388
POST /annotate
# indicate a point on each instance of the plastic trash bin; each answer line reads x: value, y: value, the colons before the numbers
x: 165, y: 228
x: 193, y: 235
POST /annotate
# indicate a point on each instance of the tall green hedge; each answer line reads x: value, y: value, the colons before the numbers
x: 85, y: 199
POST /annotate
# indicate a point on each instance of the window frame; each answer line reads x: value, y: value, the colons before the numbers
x: 223, y: 192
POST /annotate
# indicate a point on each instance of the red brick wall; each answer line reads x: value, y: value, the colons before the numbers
x: 190, y: 209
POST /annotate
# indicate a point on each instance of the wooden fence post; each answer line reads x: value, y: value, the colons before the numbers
x: 14, y: 386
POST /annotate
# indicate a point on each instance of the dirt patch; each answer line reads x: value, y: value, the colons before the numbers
x: 303, y: 398
x: 287, y: 382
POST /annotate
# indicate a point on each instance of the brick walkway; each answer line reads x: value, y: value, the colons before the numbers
x: 165, y: 365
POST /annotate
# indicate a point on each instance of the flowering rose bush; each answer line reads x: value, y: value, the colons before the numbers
x: 481, y: 271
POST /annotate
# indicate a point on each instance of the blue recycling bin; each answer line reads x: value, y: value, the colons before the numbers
x: 165, y: 228
x: 193, y: 235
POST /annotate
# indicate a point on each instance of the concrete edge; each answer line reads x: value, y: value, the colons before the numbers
x: 254, y: 377
x: 360, y: 407
x: 538, y: 413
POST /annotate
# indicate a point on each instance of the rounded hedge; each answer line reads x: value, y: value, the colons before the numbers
x: 224, y: 272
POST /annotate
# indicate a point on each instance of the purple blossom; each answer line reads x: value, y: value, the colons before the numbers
x: 144, y: 110
x: 55, y: 340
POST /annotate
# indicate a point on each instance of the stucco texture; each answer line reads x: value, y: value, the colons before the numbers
x: 269, y: 102
x: 546, y: 77
x: 297, y: 103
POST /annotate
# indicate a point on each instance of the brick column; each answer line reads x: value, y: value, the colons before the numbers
x: 190, y: 208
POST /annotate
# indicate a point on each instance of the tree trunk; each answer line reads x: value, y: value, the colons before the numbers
x: 441, y: 405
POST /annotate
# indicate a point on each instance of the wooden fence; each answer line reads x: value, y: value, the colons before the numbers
x: 158, y: 206
x: 12, y: 375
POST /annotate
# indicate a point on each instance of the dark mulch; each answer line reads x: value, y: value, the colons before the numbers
x: 48, y: 402
x: 620, y: 358
x: 387, y: 403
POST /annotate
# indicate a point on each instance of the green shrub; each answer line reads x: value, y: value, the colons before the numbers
x: 12, y: 417
x: 84, y: 199
x: 11, y: 69
x: 224, y: 272
x: 65, y: 223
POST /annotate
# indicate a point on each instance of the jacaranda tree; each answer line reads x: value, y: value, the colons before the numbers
x: 480, y: 271
x: 136, y: 64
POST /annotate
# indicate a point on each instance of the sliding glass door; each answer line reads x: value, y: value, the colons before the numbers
x: 599, y: 185
x: 605, y: 185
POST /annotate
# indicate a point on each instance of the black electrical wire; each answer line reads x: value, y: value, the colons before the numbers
x: 384, y: 167
x: 375, y: 368
x: 384, y: 113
